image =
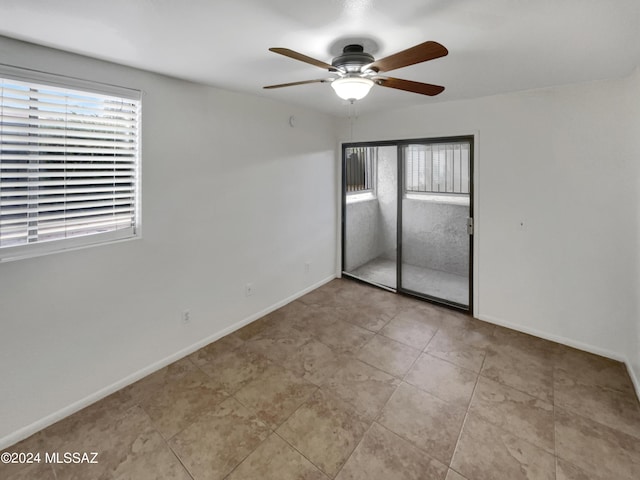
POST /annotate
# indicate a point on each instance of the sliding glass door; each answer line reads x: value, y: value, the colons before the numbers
x: 435, y: 218
x: 407, y: 217
x: 370, y: 214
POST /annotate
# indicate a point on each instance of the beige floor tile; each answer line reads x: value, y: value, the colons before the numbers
x: 370, y: 317
x: 363, y: 386
x: 442, y: 379
x: 314, y: 361
x: 589, y: 369
x: 316, y: 319
x: 338, y: 293
x: 147, y: 387
x: 259, y: 325
x: 486, y: 452
x: 524, y: 344
x: 343, y: 337
x: 109, y: 433
x: 617, y: 409
x: 452, y: 475
x: 294, y: 325
x: 275, y: 394
x: 274, y: 459
x: 133, y: 441
x: 426, y: 421
x: 411, y: 328
x: 146, y: 460
x: 456, y: 319
x: 356, y: 293
x: 215, y: 349
x: 97, y: 428
x: 388, y: 355
x: 474, y: 332
x: 462, y: 347
x: 127, y: 447
x: 321, y: 371
x: 388, y: 300
x: 122, y: 446
x: 233, y: 369
x: 325, y: 430
x: 567, y: 471
x: 327, y: 294
x: 80, y: 471
x: 596, y: 448
x: 39, y: 471
x: 520, y: 414
x: 521, y: 372
x: 290, y: 312
x: 434, y: 315
x: 254, y: 328
x: 277, y: 343
x: 36, y: 443
x: 179, y: 403
x: 382, y: 455
x: 219, y: 440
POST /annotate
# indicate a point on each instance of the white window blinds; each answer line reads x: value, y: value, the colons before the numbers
x: 68, y: 164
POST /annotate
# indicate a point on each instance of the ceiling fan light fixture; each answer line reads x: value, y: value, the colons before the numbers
x: 352, y: 88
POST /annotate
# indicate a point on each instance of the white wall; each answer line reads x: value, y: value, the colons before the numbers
x: 230, y: 194
x: 556, y: 206
x: 635, y: 352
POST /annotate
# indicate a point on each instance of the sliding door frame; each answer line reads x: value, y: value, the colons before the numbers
x: 401, y: 162
x: 345, y: 146
x: 400, y: 192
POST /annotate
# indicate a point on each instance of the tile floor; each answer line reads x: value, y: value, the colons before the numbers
x: 352, y: 382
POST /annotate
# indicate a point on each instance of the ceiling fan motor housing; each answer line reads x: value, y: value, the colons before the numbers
x: 353, y: 58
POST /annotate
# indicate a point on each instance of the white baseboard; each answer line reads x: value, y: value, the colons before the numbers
x: 571, y: 343
x: 44, y: 422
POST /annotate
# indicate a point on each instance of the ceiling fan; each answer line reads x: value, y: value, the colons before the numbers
x: 357, y: 71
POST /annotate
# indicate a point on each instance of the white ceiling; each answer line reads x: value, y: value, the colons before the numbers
x: 495, y: 46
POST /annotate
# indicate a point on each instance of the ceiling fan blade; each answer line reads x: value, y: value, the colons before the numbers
x: 410, y: 86
x: 418, y: 54
x: 303, y: 58
x: 320, y: 80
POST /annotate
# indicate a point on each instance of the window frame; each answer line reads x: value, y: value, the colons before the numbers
x: 132, y: 232
x: 364, y: 194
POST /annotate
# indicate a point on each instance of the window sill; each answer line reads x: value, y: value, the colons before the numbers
x: 360, y: 197
x: 443, y: 199
x: 9, y: 254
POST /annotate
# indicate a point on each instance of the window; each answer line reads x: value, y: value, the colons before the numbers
x: 438, y: 168
x: 69, y: 163
x: 359, y: 169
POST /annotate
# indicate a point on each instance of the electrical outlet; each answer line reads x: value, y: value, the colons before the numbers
x: 186, y: 317
x: 248, y: 289
x: 307, y: 267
